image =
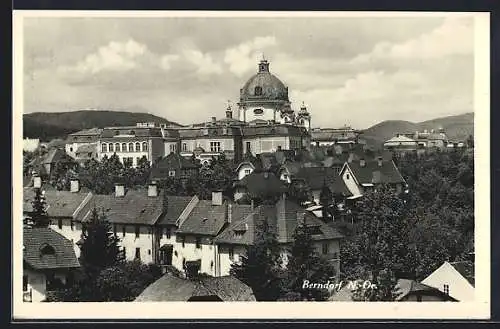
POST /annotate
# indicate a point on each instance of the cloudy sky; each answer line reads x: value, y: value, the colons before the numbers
x: 355, y: 71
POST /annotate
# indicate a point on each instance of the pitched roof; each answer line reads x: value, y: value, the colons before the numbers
x: 372, y: 173
x: 37, y: 245
x: 338, y: 187
x: 208, y: 219
x: 86, y: 132
x: 261, y: 184
x: 174, y: 161
x: 172, y: 288
x: 87, y: 148
x: 316, y: 177
x: 175, y: 206
x: 405, y: 287
x: 135, y: 207
x: 466, y: 269
x: 273, y: 129
x: 111, y: 132
x: 292, y: 167
x: 282, y: 218
x: 59, y: 203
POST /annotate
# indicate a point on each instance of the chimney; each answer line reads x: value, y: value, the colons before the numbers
x: 214, y: 119
x: 119, y: 190
x: 152, y: 189
x: 362, y: 162
x: 216, y: 198
x: 229, y: 217
x: 75, y: 185
x: 379, y: 161
x: 37, y: 182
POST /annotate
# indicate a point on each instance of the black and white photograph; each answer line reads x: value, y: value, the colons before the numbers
x: 283, y: 157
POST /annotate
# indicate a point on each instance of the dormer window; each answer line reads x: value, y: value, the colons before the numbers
x: 47, y: 249
x: 258, y: 91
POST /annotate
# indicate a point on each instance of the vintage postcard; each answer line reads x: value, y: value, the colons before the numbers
x: 295, y: 165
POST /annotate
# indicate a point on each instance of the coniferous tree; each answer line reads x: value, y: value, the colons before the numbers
x: 38, y: 215
x: 306, y: 264
x: 99, y: 246
x: 261, y: 268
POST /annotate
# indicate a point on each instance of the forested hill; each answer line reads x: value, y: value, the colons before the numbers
x: 48, y: 126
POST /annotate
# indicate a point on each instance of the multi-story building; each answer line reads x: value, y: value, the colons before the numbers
x: 132, y: 143
x: 81, y: 138
x: 332, y: 136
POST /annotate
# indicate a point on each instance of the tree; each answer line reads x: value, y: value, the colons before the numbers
x: 299, y: 192
x: 380, y: 251
x: 38, y: 215
x: 99, y: 246
x: 306, y: 265
x: 261, y: 268
x: 325, y: 199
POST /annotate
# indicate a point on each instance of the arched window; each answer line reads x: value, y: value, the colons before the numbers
x: 110, y: 147
x: 138, y: 147
x: 144, y: 147
x: 104, y: 148
x: 131, y: 147
x: 117, y: 147
x: 258, y: 91
x: 124, y: 147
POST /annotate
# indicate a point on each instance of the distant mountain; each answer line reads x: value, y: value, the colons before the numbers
x: 457, y: 127
x: 47, y: 126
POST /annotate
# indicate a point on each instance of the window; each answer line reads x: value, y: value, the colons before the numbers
x: 325, y: 248
x: 144, y: 147
x: 149, y: 251
x: 138, y: 147
x: 231, y: 252
x: 124, y: 252
x: 247, y: 171
x: 167, y: 233
x: 184, y: 147
x: 104, y: 148
x: 114, y: 229
x: 446, y: 289
x: 71, y: 149
x: 117, y: 132
x: 89, y: 154
x: 124, y: 230
x: 258, y: 91
x: 132, y: 132
x: 347, y: 176
x: 110, y: 147
x: 72, y: 225
x: 137, y: 253
x: 124, y: 147
x: 59, y: 223
x: 183, y: 242
x: 214, y: 146
x: 25, y: 283
x: 137, y: 231
x: 198, y: 243
x: 172, y: 148
x: 171, y: 173
x: 184, y: 263
x: 117, y: 147
x: 248, y: 147
x: 131, y: 147
x: 258, y: 111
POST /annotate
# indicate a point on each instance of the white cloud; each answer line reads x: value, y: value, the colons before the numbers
x: 242, y: 57
x: 453, y: 37
x: 204, y: 62
x: 166, y: 61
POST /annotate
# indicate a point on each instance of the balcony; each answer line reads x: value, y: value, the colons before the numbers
x: 27, y: 296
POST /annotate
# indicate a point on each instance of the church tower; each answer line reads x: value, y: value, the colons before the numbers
x: 304, y: 118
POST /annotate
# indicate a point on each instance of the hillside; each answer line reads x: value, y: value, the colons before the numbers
x: 47, y: 126
x: 457, y: 127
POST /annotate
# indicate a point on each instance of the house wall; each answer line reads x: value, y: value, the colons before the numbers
x: 130, y: 242
x: 164, y: 239
x: 30, y: 144
x: 459, y: 287
x: 261, y: 144
x: 241, y: 172
x: 349, y: 181
x: 155, y: 149
x: 226, y: 143
x: 37, y: 283
x: 170, y: 146
x: 190, y: 253
x: 71, y: 233
x: 224, y: 261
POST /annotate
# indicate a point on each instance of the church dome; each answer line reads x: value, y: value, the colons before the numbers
x: 264, y: 86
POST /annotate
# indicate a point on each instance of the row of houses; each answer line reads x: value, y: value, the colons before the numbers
x: 408, y: 142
